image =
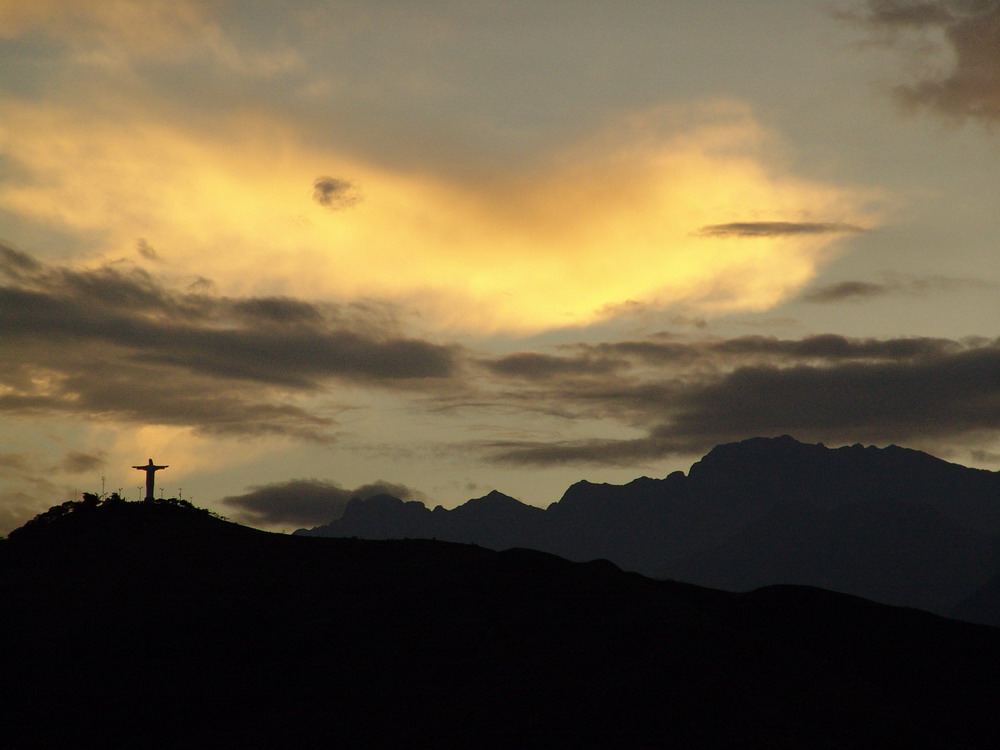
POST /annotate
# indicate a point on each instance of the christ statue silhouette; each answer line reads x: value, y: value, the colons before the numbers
x: 150, y: 470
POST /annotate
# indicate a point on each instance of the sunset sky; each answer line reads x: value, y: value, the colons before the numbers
x: 300, y: 250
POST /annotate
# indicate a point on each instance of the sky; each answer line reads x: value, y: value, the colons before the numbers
x: 306, y: 251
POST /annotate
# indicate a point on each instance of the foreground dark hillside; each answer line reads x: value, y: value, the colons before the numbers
x: 157, y: 625
x: 890, y: 524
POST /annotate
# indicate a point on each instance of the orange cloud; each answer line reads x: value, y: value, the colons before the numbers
x: 611, y: 220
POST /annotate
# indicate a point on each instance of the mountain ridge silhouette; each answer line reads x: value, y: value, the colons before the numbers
x: 158, y: 625
x: 892, y: 524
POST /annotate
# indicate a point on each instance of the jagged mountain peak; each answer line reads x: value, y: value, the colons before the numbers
x: 785, y: 450
x: 783, y: 467
x: 494, y: 497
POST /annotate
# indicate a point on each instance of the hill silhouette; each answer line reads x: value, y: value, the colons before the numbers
x: 891, y: 524
x: 157, y: 625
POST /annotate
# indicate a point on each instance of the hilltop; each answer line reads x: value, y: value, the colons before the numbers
x: 158, y: 625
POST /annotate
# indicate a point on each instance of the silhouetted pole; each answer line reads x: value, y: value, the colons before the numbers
x: 150, y: 470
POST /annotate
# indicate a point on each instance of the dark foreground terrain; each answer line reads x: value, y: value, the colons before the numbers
x: 157, y: 625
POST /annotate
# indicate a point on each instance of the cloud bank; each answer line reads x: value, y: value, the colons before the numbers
x: 684, y: 397
x: 117, y: 343
x: 304, y: 502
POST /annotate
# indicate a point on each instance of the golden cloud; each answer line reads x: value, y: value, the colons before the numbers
x: 605, y: 222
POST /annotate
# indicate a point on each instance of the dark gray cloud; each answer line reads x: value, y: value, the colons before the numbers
x: 146, y: 250
x: 927, y: 398
x: 117, y: 343
x: 200, y: 285
x: 654, y: 378
x: 75, y: 462
x: 13, y: 463
x: 537, y: 366
x: 904, y: 13
x: 335, y: 193
x: 972, y: 31
x: 892, y: 285
x: 147, y: 394
x: 277, y: 310
x: 599, y: 361
x: 593, y: 452
x: 652, y: 351
x: 775, y: 228
x: 833, y: 347
x: 922, y: 391
x: 17, y: 265
x: 844, y: 290
x: 689, y: 321
x: 305, y: 502
x: 742, y: 348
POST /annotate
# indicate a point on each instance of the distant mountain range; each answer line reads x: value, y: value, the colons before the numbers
x: 895, y: 525
x: 156, y: 625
